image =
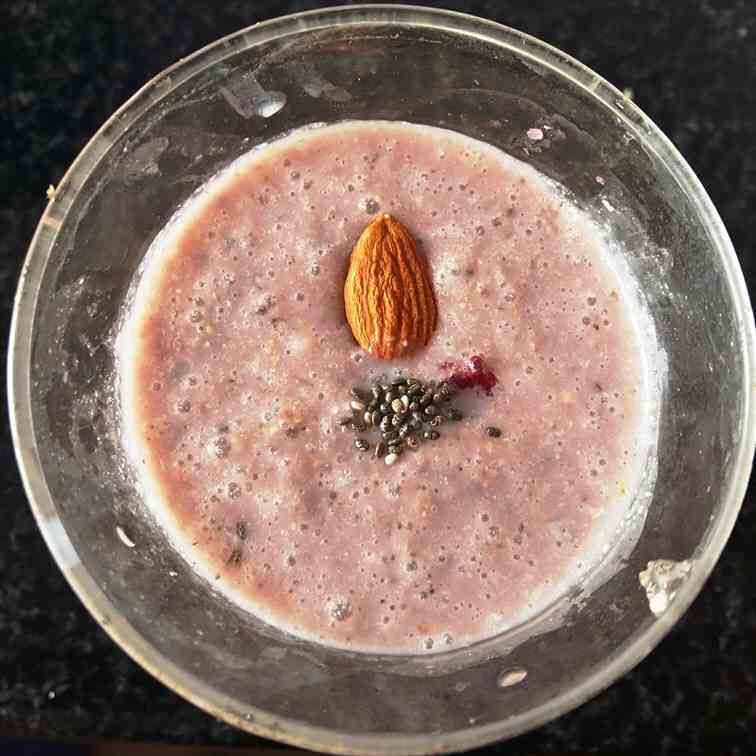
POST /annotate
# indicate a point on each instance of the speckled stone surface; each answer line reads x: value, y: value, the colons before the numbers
x: 67, y: 64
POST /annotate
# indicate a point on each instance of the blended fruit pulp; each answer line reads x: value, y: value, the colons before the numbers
x: 237, y: 363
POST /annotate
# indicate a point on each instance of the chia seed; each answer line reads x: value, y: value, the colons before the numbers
x: 362, y: 444
x: 235, y: 558
x: 221, y: 447
x: 493, y: 432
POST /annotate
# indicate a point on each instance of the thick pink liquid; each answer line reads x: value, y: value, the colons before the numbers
x: 237, y: 336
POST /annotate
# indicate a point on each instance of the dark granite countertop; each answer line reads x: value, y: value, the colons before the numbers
x: 67, y: 64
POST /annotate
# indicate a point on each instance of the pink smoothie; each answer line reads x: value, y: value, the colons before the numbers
x: 236, y: 363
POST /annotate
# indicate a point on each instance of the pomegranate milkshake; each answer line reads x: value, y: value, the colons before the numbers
x: 261, y: 418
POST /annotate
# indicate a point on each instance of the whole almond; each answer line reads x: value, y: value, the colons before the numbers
x: 388, y: 295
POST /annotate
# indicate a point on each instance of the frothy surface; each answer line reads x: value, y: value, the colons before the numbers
x: 237, y: 361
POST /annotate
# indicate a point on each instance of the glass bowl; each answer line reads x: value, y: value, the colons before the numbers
x: 425, y: 66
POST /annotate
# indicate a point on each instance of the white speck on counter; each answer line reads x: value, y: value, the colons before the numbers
x: 510, y: 677
x: 124, y: 538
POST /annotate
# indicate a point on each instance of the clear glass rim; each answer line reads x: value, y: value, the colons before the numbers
x: 206, y: 697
